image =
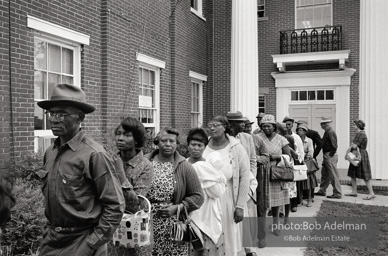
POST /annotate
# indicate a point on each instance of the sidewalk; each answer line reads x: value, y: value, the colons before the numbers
x: 304, y: 211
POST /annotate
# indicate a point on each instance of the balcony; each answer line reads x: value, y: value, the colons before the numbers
x: 319, y: 39
x: 311, y: 46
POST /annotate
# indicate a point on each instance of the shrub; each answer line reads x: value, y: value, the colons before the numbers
x: 23, y: 233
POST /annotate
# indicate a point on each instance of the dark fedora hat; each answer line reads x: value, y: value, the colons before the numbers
x: 235, y: 116
x: 67, y: 95
x: 287, y: 118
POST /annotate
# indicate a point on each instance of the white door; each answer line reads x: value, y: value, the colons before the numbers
x: 313, y: 114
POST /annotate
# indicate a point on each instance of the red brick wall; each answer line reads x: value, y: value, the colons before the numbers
x: 109, y: 70
x: 5, y: 124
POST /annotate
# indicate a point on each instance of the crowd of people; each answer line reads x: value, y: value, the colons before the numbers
x: 225, y: 178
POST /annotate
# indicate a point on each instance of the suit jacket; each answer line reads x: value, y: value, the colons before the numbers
x: 317, y: 141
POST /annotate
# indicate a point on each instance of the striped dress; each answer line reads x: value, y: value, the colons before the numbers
x: 278, y: 196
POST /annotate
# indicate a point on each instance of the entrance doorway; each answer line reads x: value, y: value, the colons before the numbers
x: 313, y: 114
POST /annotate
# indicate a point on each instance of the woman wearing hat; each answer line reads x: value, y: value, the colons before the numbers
x: 363, y: 170
x: 311, y: 183
x: 276, y: 145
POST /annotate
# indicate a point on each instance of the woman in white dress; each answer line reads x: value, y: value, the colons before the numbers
x: 237, y: 171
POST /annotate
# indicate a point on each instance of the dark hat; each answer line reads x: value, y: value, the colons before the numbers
x: 287, y: 118
x: 260, y: 115
x: 302, y: 126
x: 68, y: 95
x: 302, y: 122
x: 235, y: 116
x: 268, y: 119
x: 325, y: 120
x: 246, y: 121
x: 360, y: 124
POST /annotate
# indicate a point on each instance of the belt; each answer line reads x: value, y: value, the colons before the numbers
x: 70, y: 230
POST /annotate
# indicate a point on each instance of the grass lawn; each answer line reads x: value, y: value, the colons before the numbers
x: 364, y: 190
x: 332, y: 209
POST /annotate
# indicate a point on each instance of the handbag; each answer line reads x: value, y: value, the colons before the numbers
x: 312, y: 165
x: 300, y: 172
x: 134, y: 229
x: 186, y: 231
x: 354, y: 157
x: 281, y: 173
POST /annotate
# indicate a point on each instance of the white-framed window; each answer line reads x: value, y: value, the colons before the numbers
x: 313, y: 13
x: 261, y: 104
x: 57, y: 59
x: 261, y: 8
x: 197, y: 82
x: 149, y: 92
x: 196, y: 6
x: 312, y: 95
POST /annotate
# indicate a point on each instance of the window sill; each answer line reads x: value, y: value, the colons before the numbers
x: 262, y: 18
x: 197, y: 13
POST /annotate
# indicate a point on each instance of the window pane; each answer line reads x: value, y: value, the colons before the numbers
x: 303, y: 95
x: 40, y: 55
x: 53, y: 79
x: 321, y: 95
x: 67, y: 79
x: 294, y: 96
x: 326, y: 15
x: 152, y: 78
x: 318, y: 17
x: 311, y: 95
x: 329, y: 95
x: 38, y: 118
x: 145, y: 80
x: 67, y: 61
x: 54, y: 58
x: 40, y: 81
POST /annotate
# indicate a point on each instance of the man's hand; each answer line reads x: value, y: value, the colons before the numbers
x: 238, y: 215
x: 168, y: 211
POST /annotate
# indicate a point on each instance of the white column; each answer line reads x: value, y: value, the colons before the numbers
x: 244, y: 73
x: 374, y: 82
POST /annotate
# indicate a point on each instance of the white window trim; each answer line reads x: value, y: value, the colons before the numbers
x: 199, y: 12
x: 58, y: 35
x: 199, y: 79
x: 296, y: 24
x: 155, y: 65
x: 56, y: 30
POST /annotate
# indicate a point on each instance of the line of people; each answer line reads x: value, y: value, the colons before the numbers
x: 224, y: 179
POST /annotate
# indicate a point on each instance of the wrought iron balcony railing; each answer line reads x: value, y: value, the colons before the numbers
x: 317, y: 39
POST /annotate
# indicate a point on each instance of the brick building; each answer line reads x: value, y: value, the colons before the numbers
x: 179, y: 62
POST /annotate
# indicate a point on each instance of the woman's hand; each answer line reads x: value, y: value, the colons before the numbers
x: 168, y: 211
x: 238, y: 215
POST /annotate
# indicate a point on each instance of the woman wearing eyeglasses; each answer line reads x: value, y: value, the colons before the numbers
x: 134, y: 168
x: 234, y: 199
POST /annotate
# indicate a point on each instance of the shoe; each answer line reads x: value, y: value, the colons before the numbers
x: 262, y: 243
x: 320, y: 193
x: 269, y: 213
x: 312, y: 200
x: 369, y: 197
x: 251, y: 254
x: 294, y: 209
x: 281, y: 215
x: 351, y: 194
x: 309, y: 204
x: 286, y: 222
x: 276, y: 232
x: 335, y: 196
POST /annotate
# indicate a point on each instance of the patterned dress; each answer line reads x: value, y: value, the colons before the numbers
x: 363, y: 170
x: 160, y: 194
x: 278, y: 196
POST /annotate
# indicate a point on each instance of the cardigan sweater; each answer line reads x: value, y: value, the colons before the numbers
x: 187, y: 188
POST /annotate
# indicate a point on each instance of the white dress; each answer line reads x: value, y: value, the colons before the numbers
x: 232, y: 236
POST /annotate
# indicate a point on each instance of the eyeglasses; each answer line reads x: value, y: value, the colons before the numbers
x: 58, y: 116
x: 213, y: 125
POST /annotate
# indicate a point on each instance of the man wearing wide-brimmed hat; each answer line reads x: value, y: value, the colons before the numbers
x: 248, y: 125
x: 329, y: 170
x: 259, y: 117
x: 84, y: 200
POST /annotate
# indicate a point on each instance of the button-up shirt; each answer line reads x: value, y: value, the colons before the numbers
x: 139, y: 172
x: 81, y: 188
x: 329, y: 142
